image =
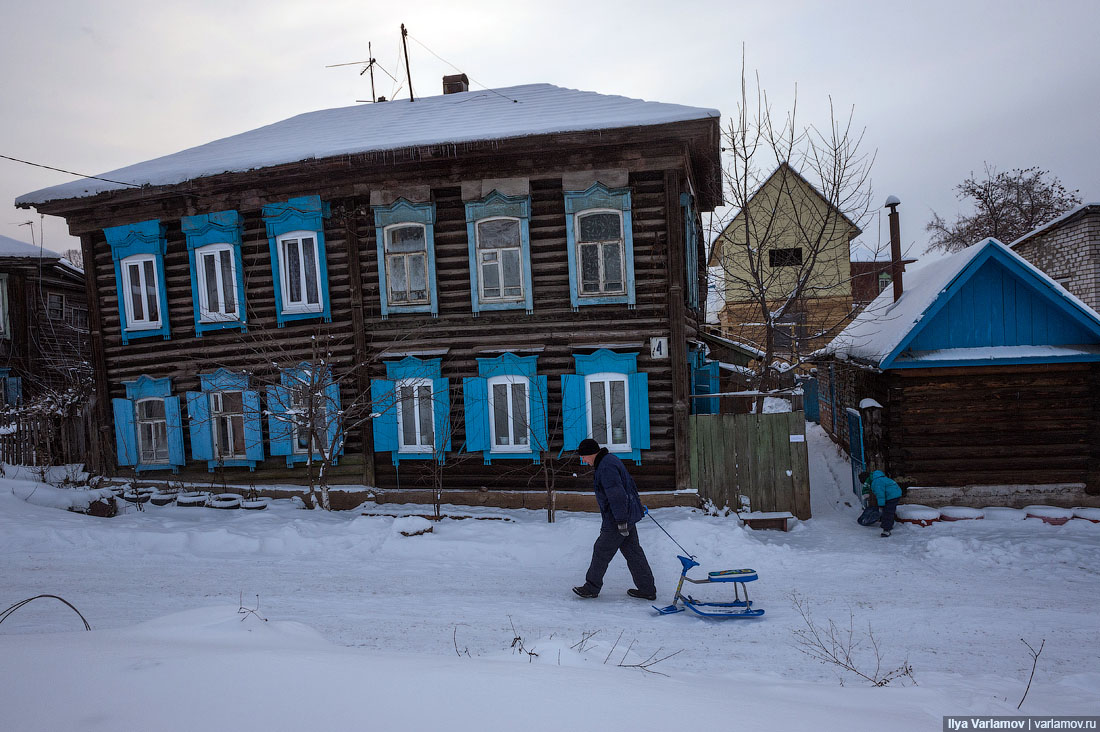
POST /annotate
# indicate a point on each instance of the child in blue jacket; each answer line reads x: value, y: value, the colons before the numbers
x: 887, y: 494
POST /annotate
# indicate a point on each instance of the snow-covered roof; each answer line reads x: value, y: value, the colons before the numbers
x: 15, y: 248
x: 877, y: 332
x: 518, y: 111
x: 1053, y: 223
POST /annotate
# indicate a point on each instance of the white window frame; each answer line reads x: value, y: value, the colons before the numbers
x: 416, y: 384
x: 884, y: 280
x: 206, y: 315
x: 509, y: 380
x: 139, y: 421
x: 404, y: 256
x: 300, y: 306
x: 607, y: 377
x: 518, y: 249
x: 220, y: 417
x: 144, y: 323
x: 621, y: 241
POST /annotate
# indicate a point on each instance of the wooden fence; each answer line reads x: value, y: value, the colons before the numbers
x: 760, y: 456
x: 46, y: 439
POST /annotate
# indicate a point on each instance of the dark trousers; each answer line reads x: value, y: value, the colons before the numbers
x: 888, y: 511
x: 603, y: 551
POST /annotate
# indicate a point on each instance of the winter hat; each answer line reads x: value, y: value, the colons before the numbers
x: 863, y: 476
x: 588, y: 446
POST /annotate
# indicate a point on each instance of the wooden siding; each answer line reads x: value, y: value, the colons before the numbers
x: 555, y: 330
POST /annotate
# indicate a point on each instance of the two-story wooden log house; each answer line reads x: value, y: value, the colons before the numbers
x: 505, y: 272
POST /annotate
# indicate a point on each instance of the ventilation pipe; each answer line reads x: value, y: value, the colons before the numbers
x: 892, y: 203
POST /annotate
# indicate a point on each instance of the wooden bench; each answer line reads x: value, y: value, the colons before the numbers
x: 767, y: 519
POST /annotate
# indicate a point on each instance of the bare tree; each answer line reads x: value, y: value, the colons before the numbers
x: 1005, y: 206
x: 799, y: 193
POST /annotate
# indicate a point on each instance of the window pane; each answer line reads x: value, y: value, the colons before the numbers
x: 232, y: 401
x: 498, y: 233
x: 418, y: 277
x: 151, y: 409
x: 293, y: 270
x: 500, y: 414
x: 309, y: 256
x: 598, y: 408
x: 210, y: 277
x: 406, y: 239
x: 612, y: 268
x: 427, y: 432
x: 490, y: 274
x: 618, y: 412
x: 237, y: 424
x: 224, y: 427
x: 600, y: 227
x: 229, y: 284
x: 590, y: 268
x: 519, y: 414
x: 398, y: 278
x: 408, y: 416
x: 151, y: 290
x: 136, y: 308
x: 513, y: 273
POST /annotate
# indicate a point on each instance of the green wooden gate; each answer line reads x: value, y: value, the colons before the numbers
x: 760, y: 456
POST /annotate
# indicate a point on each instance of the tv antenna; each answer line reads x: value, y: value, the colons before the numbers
x: 368, y: 65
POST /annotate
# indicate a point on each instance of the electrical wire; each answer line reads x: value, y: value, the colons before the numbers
x: 494, y: 91
x: 69, y: 172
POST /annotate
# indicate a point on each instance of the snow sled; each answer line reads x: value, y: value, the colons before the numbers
x: 738, y: 608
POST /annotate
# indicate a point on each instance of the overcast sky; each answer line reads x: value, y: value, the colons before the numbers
x: 941, y: 88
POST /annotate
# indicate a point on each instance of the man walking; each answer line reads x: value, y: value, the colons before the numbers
x: 620, y: 509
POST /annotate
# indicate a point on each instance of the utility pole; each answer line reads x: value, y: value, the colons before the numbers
x: 408, y: 71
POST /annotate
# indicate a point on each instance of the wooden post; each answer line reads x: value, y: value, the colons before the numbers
x: 359, y: 334
x: 102, y: 459
x: 677, y: 315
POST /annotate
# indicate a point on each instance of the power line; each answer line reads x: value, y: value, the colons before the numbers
x: 69, y: 172
x: 494, y: 91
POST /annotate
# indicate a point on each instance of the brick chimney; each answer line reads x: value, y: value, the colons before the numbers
x: 455, y: 83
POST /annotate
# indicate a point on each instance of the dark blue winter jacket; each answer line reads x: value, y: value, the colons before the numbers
x: 615, y: 492
x: 884, y: 488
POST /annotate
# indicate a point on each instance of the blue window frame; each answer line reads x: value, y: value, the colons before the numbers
x: 224, y: 421
x: 296, y: 238
x: 137, y: 251
x: 412, y: 410
x: 217, y: 275
x: 607, y: 399
x: 405, y: 236
x: 505, y: 409
x: 498, y: 231
x: 148, y: 428
x: 599, y: 231
x: 304, y: 421
x: 691, y: 251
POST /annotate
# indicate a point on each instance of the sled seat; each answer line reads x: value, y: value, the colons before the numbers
x: 733, y: 575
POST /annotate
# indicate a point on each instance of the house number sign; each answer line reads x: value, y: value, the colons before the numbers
x: 658, y: 347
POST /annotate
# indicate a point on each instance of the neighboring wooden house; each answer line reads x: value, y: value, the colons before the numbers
x: 978, y: 386
x: 787, y: 232
x: 871, y: 278
x: 513, y: 269
x: 43, y: 323
x: 1068, y: 249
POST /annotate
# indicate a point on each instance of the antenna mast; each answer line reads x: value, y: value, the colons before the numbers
x: 408, y: 71
x: 370, y: 65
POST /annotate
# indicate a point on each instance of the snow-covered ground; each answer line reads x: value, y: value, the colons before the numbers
x: 369, y: 629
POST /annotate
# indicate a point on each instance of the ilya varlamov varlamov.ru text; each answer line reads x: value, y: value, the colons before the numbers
x: 1023, y: 723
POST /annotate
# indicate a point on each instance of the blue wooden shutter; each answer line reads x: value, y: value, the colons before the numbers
x: 639, y: 411
x: 574, y: 412
x: 176, y: 455
x: 705, y: 381
x: 198, y: 424
x: 253, y: 432
x: 441, y: 409
x: 279, y: 428
x: 539, y: 437
x: 13, y: 390
x: 475, y: 404
x: 383, y: 396
x: 335, y: 420
x: 125, y: 437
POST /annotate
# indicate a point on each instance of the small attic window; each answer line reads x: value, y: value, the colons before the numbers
x: 785, y: 257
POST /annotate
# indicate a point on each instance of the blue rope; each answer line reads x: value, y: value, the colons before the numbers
x: 662, y: 528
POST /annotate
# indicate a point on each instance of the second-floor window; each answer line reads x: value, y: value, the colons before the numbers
x: 152, y: 431
x: 600, y: 252
x: 407, y: 264
x: 140, y: 292
x: 884, y: 280
x: 785, y: 257
x: 300, y: 271
x: 500, y: 259
x: 217, y: 284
